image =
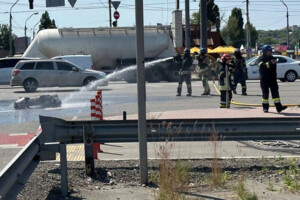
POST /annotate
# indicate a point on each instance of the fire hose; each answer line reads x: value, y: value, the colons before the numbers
x: 249, y: 104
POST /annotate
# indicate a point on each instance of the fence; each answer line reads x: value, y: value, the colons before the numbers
x: 57, y: 133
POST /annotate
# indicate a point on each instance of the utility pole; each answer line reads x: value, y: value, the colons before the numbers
x: 248, y: 48
x: 25, y: 29
x: 10, y: 34
x: 203, y: 21
x: 187, y: 25
x: 109, y: 8
x: 287, y: 24
x: 141, y: 89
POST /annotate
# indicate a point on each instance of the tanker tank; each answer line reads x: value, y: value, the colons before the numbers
x: 110, y: 48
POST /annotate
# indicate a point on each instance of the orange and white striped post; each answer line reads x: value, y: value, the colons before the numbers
x: 93, y: 109
x: 97, y: 101
x: 98, y: 116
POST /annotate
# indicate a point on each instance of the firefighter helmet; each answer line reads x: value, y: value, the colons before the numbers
x: 266, y: 48
x: 225, y: 57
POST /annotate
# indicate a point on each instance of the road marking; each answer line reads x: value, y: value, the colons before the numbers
x: 18, y: 134
x: 75, y: 152
x: 157, y: 86
x: 9, y: 146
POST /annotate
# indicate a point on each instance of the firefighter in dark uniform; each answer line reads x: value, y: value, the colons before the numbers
x: 203, y: 63
x: 225, y: 63
x: 240, y: 71
x: 268, y: 79
x: 185, y: 73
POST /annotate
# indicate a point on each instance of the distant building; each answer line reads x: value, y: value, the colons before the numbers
x: 20, y: 44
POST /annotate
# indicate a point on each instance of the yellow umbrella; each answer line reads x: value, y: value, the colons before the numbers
x: 222, y: 49
x: 196, y: 49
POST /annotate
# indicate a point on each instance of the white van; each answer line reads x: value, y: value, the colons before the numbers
x: 82, y: 61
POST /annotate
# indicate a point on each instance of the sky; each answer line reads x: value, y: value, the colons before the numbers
x: 264, y: 14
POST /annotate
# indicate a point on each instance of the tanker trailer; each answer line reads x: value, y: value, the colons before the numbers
x: 111, y: 49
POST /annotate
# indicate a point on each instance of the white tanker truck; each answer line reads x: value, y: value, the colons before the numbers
x: 111, y: 49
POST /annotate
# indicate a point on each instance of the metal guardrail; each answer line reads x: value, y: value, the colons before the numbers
x: 56, y: 133
x: 16, y: 173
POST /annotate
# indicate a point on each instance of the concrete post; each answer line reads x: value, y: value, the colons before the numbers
x: 141, y: 87
x: 203, y: 17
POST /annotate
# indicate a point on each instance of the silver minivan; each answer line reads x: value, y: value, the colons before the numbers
x: 53, y: 73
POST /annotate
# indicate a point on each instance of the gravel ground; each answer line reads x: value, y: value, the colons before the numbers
x: 265, y: 177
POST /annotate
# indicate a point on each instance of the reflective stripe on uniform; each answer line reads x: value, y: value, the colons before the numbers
x: 268, y: 65
x: 244, y: 87
x: 185, y: 72
x: 276, y: 100
x: 259, y: 64
x: 265, y: 101
x: 222, y: 106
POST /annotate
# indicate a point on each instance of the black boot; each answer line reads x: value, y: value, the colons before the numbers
x: 206, y: 93
x: 280, y: 108
x: 265, y: 107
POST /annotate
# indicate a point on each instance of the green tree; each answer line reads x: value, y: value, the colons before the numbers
x: 234, y: 28
x: 46, y: 22
x: 213, y: 15
x: 4, y: 37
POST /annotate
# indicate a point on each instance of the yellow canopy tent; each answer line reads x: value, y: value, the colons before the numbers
x: 223, y: 49
x: 196, y: 49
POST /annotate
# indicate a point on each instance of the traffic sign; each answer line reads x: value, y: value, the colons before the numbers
x: 116, y: 15
x: 72, y: 2
x: 116, y: 4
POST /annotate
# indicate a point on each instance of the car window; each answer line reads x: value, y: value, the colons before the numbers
x: 281, y: 60
x: 8, y: 63
x: 3, y: 64
x: 44, y: 66
x: 28, y: 66
x: 13, y: 62
x: 64, y: 66
x: 254, y: 62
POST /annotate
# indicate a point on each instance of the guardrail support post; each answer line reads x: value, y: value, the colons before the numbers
x: 63, y: 168
x: 88, y: 138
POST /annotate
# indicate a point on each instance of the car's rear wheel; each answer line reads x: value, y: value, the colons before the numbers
x: 88, y: 81
x: 291, y: 76
x: 30, y: 85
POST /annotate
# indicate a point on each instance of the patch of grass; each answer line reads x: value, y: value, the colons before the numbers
x: 292, y: 178
x: 270, y: 187
x: 242, y: 192
x: 217, y: 176
x: 173, y: 176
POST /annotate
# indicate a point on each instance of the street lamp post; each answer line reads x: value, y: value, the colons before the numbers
x: 33, y: 32
x: 10, y: 37
x: 26, y: 45
x: 287, y: 24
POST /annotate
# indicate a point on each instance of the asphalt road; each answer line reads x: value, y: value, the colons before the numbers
x: 119, y: 97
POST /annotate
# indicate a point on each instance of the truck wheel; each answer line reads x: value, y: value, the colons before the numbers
x: 172, y: 75
x: 30, y: 85
x: 154, y: 75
